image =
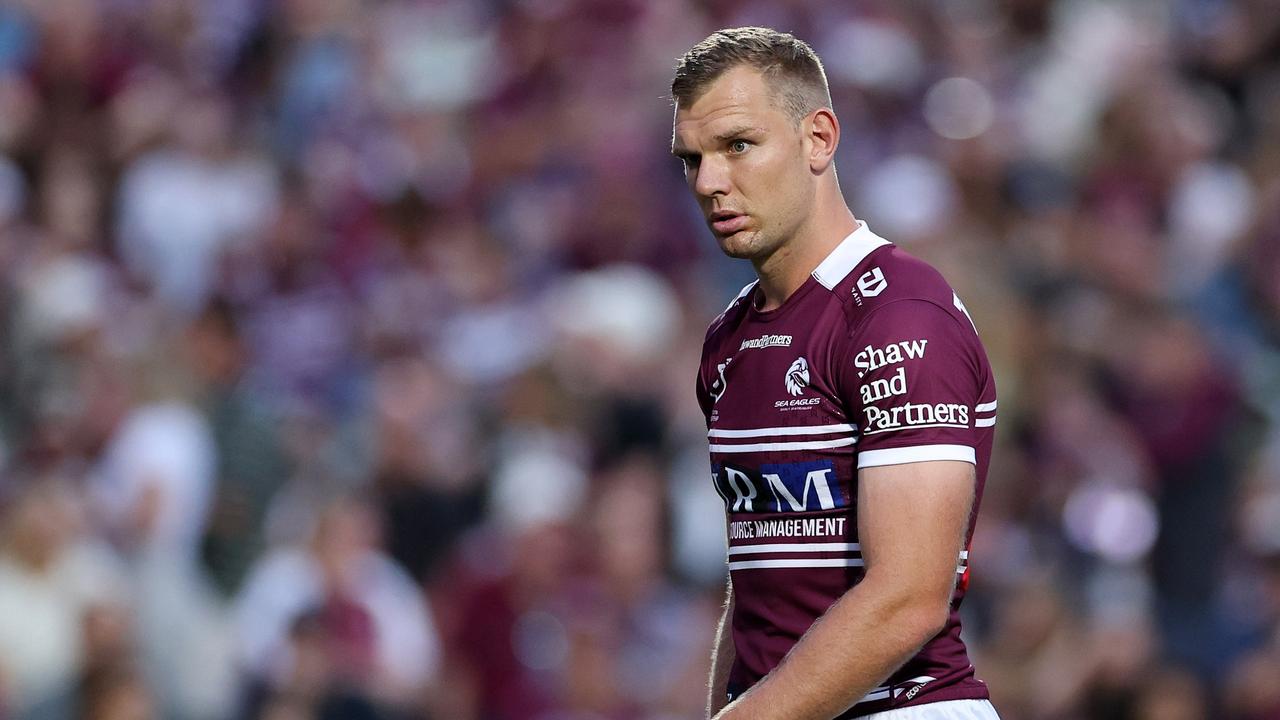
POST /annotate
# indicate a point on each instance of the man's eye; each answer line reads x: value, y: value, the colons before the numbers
x: 738, y: 146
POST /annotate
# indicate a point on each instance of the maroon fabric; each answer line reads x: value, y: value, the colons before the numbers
x: 352, y: 637
x: 888, y: 349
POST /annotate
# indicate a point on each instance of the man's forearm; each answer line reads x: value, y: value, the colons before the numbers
x: 860, y: 640
x: 722, y: 657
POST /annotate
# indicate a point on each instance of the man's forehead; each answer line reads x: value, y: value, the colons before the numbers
x: 739, y: 98
x: 743, y: 89
x: 712, y: 123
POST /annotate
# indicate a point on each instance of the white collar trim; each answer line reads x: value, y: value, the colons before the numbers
x: 851, y: 251
x: 745, y: 291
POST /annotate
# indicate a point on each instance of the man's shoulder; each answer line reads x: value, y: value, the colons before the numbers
x: 732, y: 312
x: 890, y: 276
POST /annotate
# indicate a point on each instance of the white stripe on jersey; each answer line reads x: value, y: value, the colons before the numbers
x: 808, y: 547
x: 985, y: 407
x: 782, y: 431
x: 916, y: 453
x: 793, y: 547
x: 795, y: 563
x: 806, y: 563
x: 985, y: 422
x: 785, y: 446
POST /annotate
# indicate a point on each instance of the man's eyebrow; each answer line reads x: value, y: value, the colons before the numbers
x: 738, y: 132
x: 735, y: 132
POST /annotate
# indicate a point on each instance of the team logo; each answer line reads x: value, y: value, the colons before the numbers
x: 872, y: 282
x: 718, y: 385
x: 798, y: 376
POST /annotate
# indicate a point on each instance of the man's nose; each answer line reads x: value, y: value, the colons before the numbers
x: 712, y: 177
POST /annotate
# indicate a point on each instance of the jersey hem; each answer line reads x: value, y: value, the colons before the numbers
x: 958, y: 707
x: 970, y: 690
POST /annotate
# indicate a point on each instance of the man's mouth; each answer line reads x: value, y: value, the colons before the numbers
x: 727, y: 223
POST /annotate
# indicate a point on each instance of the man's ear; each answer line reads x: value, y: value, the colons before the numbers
x: 822, y: 130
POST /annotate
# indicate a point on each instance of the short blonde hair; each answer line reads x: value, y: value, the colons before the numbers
x: 792, y: 69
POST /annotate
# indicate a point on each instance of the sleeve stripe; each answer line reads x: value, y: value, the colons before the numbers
x: 985, y: 407
x: 918, y: 453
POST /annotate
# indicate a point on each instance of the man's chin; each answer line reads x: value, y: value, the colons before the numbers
x: 740, y: 245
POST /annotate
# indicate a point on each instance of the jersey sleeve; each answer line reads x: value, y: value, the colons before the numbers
x: 710, y: 382
x: 915, y: 377
x: 705, y: 401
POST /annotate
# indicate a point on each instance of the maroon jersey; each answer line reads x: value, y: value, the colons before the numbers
x: 872, y: 361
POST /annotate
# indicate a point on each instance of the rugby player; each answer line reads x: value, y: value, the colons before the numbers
x: 850, y: 412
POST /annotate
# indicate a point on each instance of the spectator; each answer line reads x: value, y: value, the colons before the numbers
x: 339, y: 596
x: 54, y: 579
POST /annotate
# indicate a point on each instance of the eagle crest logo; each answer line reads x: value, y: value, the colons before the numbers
x: 798, y: 376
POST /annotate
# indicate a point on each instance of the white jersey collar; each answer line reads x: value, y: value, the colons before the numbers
x: 851, y: 251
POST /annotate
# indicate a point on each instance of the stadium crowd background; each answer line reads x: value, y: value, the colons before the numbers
x: 347, y: 358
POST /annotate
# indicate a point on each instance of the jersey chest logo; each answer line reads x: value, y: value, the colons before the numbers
x: 718, y: 385
x: 798, y: 377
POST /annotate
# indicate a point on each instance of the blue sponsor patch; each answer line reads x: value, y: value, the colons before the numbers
x: 780, y: 487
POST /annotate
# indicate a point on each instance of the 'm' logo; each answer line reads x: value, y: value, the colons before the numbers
x: 872, y: 282
x: 798, y: 376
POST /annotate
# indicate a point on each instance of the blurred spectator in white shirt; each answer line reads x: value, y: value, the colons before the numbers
x: 53, y: 577
x: 182, y: 206
x: 382, y: 643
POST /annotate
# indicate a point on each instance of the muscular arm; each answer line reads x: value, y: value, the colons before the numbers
x: 722, y: 656
x: 911, y: 523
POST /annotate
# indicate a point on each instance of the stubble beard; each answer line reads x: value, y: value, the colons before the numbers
x: 750, y: 245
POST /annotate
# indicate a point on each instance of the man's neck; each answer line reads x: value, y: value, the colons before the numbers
x: 783, y: 272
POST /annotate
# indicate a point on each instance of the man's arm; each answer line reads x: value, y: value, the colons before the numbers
x: 911, y: 524
x: 722, y: 656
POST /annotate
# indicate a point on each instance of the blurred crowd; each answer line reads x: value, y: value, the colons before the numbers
x: 347, y: 348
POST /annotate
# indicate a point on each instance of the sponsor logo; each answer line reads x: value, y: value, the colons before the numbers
x: 915, y: 415
x: 718, y: 385
x: 915, y: 689
x: 872, y: 282
x: 766, y: 341
x: 882, y: 388
x: 779, y: 487
x: 798, y: 376
x: 873, y: 358
x: 787, y: 527
x: 798, y: 403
